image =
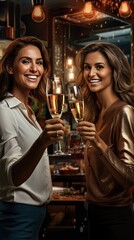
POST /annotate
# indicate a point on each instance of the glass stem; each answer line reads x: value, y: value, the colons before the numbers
x: 59, y: 146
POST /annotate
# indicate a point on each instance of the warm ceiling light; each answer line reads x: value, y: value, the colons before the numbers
x: 125, y: 9
x: 69, y: 62
x: 38, y: 14
x: 89, y: 10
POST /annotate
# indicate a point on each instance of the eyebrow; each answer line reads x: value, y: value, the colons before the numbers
x: 95, y: 63
x: 29, y: 58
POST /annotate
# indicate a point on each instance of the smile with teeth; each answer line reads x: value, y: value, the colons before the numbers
x: 32, y: 77
x: 95, y: 81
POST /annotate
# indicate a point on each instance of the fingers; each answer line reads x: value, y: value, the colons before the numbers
x: 57, y: 134
x: 86, y: 124
x: 87, y: 130
x: 54, y: 121
x: 54, y: 129
x: 54, y: 125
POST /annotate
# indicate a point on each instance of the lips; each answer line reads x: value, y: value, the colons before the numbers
x: 95, y: 81
x: 32, y: 77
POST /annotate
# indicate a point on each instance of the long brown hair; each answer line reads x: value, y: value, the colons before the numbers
x: 6, y: 80
x: 123, y: 83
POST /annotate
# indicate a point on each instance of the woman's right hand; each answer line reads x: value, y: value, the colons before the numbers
x: 88, y: 132
x: 53, y: 131
x: 21, y: 170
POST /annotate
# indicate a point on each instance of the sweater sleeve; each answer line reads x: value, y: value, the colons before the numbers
x: 119, y: 158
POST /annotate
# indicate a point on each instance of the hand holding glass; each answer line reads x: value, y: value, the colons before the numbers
x: 55, y: 101
x: 76, y: 103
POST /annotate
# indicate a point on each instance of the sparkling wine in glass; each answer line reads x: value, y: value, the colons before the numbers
x: 76, y: 103
x: 55, y: 102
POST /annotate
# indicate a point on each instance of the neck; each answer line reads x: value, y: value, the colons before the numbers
x: 22, y: 96
x: 106, y: 99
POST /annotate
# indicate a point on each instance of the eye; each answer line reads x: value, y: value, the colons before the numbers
x: 99, y: 67
x: 40, y: 62
x: 25, y: 61
x: 87, y: 67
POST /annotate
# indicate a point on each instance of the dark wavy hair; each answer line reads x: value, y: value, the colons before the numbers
x: 123, y: 83
x: 6, y: 80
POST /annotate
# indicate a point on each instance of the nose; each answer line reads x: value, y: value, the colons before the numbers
x: 92, y: 72
x: 33, y: 67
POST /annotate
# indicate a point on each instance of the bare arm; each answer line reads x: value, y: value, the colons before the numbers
x: 23, y: 168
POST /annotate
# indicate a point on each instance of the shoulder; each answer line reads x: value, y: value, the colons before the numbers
x: 121, y: 114
x: 6, y: 115
x: 124, y: 117
x: 5, y: 110
x: 121, y: 107
x: 126, y: 110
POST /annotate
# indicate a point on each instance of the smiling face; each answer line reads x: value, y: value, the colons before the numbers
x: 27, y: 69
x: 97, y: 72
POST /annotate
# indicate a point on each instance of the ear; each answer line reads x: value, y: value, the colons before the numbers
x: 9, y: 69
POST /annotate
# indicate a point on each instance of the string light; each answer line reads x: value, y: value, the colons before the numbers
x: 38, y: 14
x: 89, y: 10
x: 69, y: 62
x: 125, y: 9
x: 121, y: 8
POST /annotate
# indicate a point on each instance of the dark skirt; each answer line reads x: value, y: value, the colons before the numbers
x: 20, y: 221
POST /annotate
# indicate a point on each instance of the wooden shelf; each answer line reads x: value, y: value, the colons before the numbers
x: 66, y: 156
x: 68, y: 177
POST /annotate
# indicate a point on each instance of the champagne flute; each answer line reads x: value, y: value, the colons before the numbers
x: 55, y: 101
x: 76, y: 103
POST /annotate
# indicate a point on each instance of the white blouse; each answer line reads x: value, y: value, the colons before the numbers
x: 17, y: 134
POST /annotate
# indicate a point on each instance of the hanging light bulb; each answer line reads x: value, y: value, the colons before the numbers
x: 38, y: 14
x: 89, y: 10
x: 125, y: 9
x: 69, y: 62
